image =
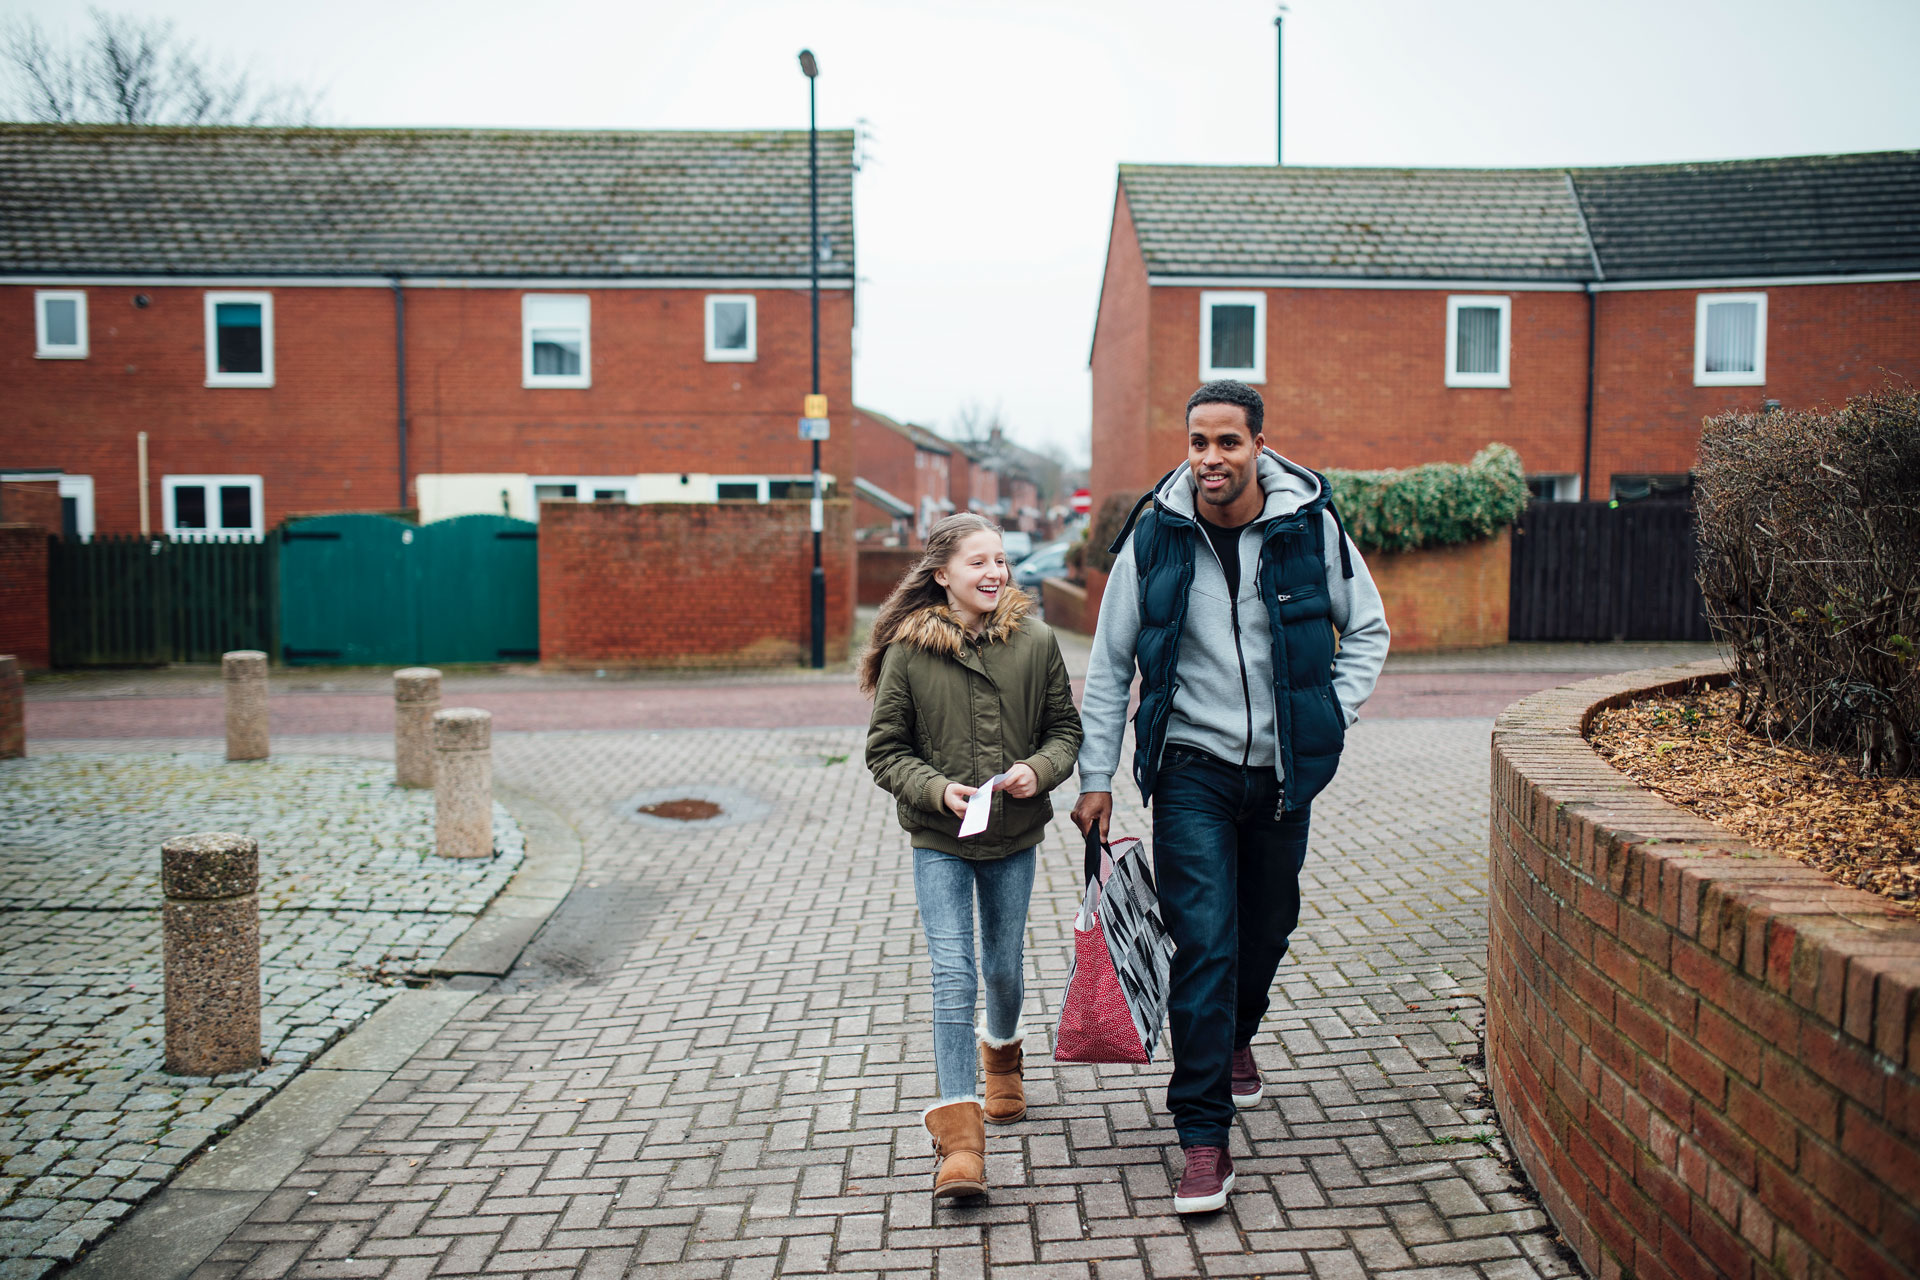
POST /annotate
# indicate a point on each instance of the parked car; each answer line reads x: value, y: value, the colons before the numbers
x: 1048, y: 561
x: 1018, y: 543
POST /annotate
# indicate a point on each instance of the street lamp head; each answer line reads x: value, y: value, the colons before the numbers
x: 808, y: 66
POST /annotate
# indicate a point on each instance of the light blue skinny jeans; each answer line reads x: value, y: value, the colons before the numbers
x: 946, y: 887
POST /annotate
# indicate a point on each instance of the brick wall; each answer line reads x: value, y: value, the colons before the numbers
x: 23, y: 595
x: 35, y: 502
x: 324, y: 436
x: 881, y: 569
x: 1121, y: 459
x: 1357, y: 378
x: 1446, y: 597
x: 1704, y: 1054
x: 1824, y: 343
x: 13, y: 709
x: 689, y: 584
x: 1066, y: 606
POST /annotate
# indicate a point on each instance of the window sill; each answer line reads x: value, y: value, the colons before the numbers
x: 1729, y: 380
x: 1485, y: 381
x: 555, y: 384
x: 60, y: 353
x: 732, y: 357
x: 241, y: 380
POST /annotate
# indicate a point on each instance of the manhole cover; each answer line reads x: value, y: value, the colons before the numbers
x: 683, y: 810
x: 684, y: 805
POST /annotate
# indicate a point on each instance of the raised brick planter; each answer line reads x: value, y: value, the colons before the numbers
x: 1066, y: 606
x: 1703, y: 1054
x: 880, y: 570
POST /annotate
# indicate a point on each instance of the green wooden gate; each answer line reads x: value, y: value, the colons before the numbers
x: 121, y: 599
x: 371, y: 590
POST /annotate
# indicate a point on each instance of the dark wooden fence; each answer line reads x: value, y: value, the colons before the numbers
x: 1587, y: 571
x: 126, y: 600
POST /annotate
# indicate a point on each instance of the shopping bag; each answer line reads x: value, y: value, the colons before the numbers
x: 1117, y: 988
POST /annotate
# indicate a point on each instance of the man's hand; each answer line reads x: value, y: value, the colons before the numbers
x: 1022, y: 782
x: 956, y: 798
x: 1093, y: 807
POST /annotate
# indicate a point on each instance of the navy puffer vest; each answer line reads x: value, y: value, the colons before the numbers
x: 1293, y: 586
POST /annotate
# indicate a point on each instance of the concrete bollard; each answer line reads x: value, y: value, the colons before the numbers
x: 416, y: 697
x: 245, y: 673
x: 210, y: 935
x: 13, y: 709
x: 463, y: 783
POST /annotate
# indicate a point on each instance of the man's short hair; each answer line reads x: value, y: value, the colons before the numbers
x: 1234, y: 392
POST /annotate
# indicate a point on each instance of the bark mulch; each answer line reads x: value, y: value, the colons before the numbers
x: 1814, y: 806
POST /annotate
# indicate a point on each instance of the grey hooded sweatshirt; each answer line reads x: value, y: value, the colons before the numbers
x: 1210, y: 709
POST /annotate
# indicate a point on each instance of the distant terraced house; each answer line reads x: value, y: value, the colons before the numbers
x: 442, y: 321
x: 1591, y: 318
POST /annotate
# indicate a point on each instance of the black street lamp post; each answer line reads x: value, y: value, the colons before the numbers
x: 816, y: 404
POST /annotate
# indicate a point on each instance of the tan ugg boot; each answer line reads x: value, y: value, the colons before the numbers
x: 959, y: 1133
x: 1000, y: 1062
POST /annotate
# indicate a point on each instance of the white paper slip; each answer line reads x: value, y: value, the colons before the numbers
x: 980, y: 806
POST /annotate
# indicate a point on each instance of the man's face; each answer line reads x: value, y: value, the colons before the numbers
x: 1224, y: 455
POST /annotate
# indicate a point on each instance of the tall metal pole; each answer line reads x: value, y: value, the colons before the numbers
x: 1279, y: 86
x: 819, y: 582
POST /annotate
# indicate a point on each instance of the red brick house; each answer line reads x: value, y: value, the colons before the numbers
x: 450, y: 321
x: 1588, y: 317
x: 903, y: 479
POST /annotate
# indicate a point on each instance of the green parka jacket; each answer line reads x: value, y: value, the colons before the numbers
x: 953, y: 708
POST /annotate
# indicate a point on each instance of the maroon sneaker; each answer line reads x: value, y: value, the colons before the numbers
x: 1248, y: 1087
x: 1208, y: 1181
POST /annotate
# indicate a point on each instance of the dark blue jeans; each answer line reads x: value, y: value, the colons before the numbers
x: 1228, y: 872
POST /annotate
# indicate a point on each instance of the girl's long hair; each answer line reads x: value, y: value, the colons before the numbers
x: 918, y: 589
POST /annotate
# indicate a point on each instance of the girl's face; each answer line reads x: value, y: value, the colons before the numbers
x: 975, y: 574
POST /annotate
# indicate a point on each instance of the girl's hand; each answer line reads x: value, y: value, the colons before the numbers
x: 956, y: 798
x: 1022, y: 783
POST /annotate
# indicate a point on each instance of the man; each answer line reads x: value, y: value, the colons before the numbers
x: 1258, y: 633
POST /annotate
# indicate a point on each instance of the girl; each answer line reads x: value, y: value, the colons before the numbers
x: 966, y: 686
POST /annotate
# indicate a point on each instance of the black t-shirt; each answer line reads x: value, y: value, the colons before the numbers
x: 1226, y: 545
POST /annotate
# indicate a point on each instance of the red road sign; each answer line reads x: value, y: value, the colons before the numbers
x: 1082, y: 501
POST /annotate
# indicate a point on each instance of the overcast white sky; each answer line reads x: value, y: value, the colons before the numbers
x: 982, y: 214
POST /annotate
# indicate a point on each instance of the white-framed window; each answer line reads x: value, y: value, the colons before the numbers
x: 211, y: 507
x: 1233, y: 336
x: 580, y: 489
x: 60, y: 324
x: 1554, y: 488
x: 740, y: 488
x: 76, y: 498
x: 1479, y: 340
x: 239, y: 339
x: 1730, y: 340
x: 732, y: 327
x: 556, y: 346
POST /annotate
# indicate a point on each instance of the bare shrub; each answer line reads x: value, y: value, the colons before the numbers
x: 1809, y: 530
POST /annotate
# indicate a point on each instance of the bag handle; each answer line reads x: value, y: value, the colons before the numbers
x: 1094, y: 846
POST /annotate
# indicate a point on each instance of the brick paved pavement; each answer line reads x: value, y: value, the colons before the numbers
x: 713, y: 1061
x: 352, y: 901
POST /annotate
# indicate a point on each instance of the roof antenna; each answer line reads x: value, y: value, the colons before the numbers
x: 1279, y: 83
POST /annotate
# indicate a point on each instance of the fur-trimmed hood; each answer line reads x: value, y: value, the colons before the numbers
x: 934, y: 629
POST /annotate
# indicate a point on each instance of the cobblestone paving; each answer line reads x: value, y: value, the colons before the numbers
x: 352, y: 901
x: 712, y: 1063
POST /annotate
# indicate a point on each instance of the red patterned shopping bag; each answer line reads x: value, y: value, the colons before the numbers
x: 1117, y: 990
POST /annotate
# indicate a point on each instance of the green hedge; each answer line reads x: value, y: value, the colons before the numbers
x: 1436, y: 505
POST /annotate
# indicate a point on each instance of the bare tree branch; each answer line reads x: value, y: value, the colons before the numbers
x: 130, y: 70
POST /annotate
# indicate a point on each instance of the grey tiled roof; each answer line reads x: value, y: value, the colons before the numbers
x: 1808, y: 215
x: 1800, y: 215
x: 107, y: 199
x: 1365, y: 223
